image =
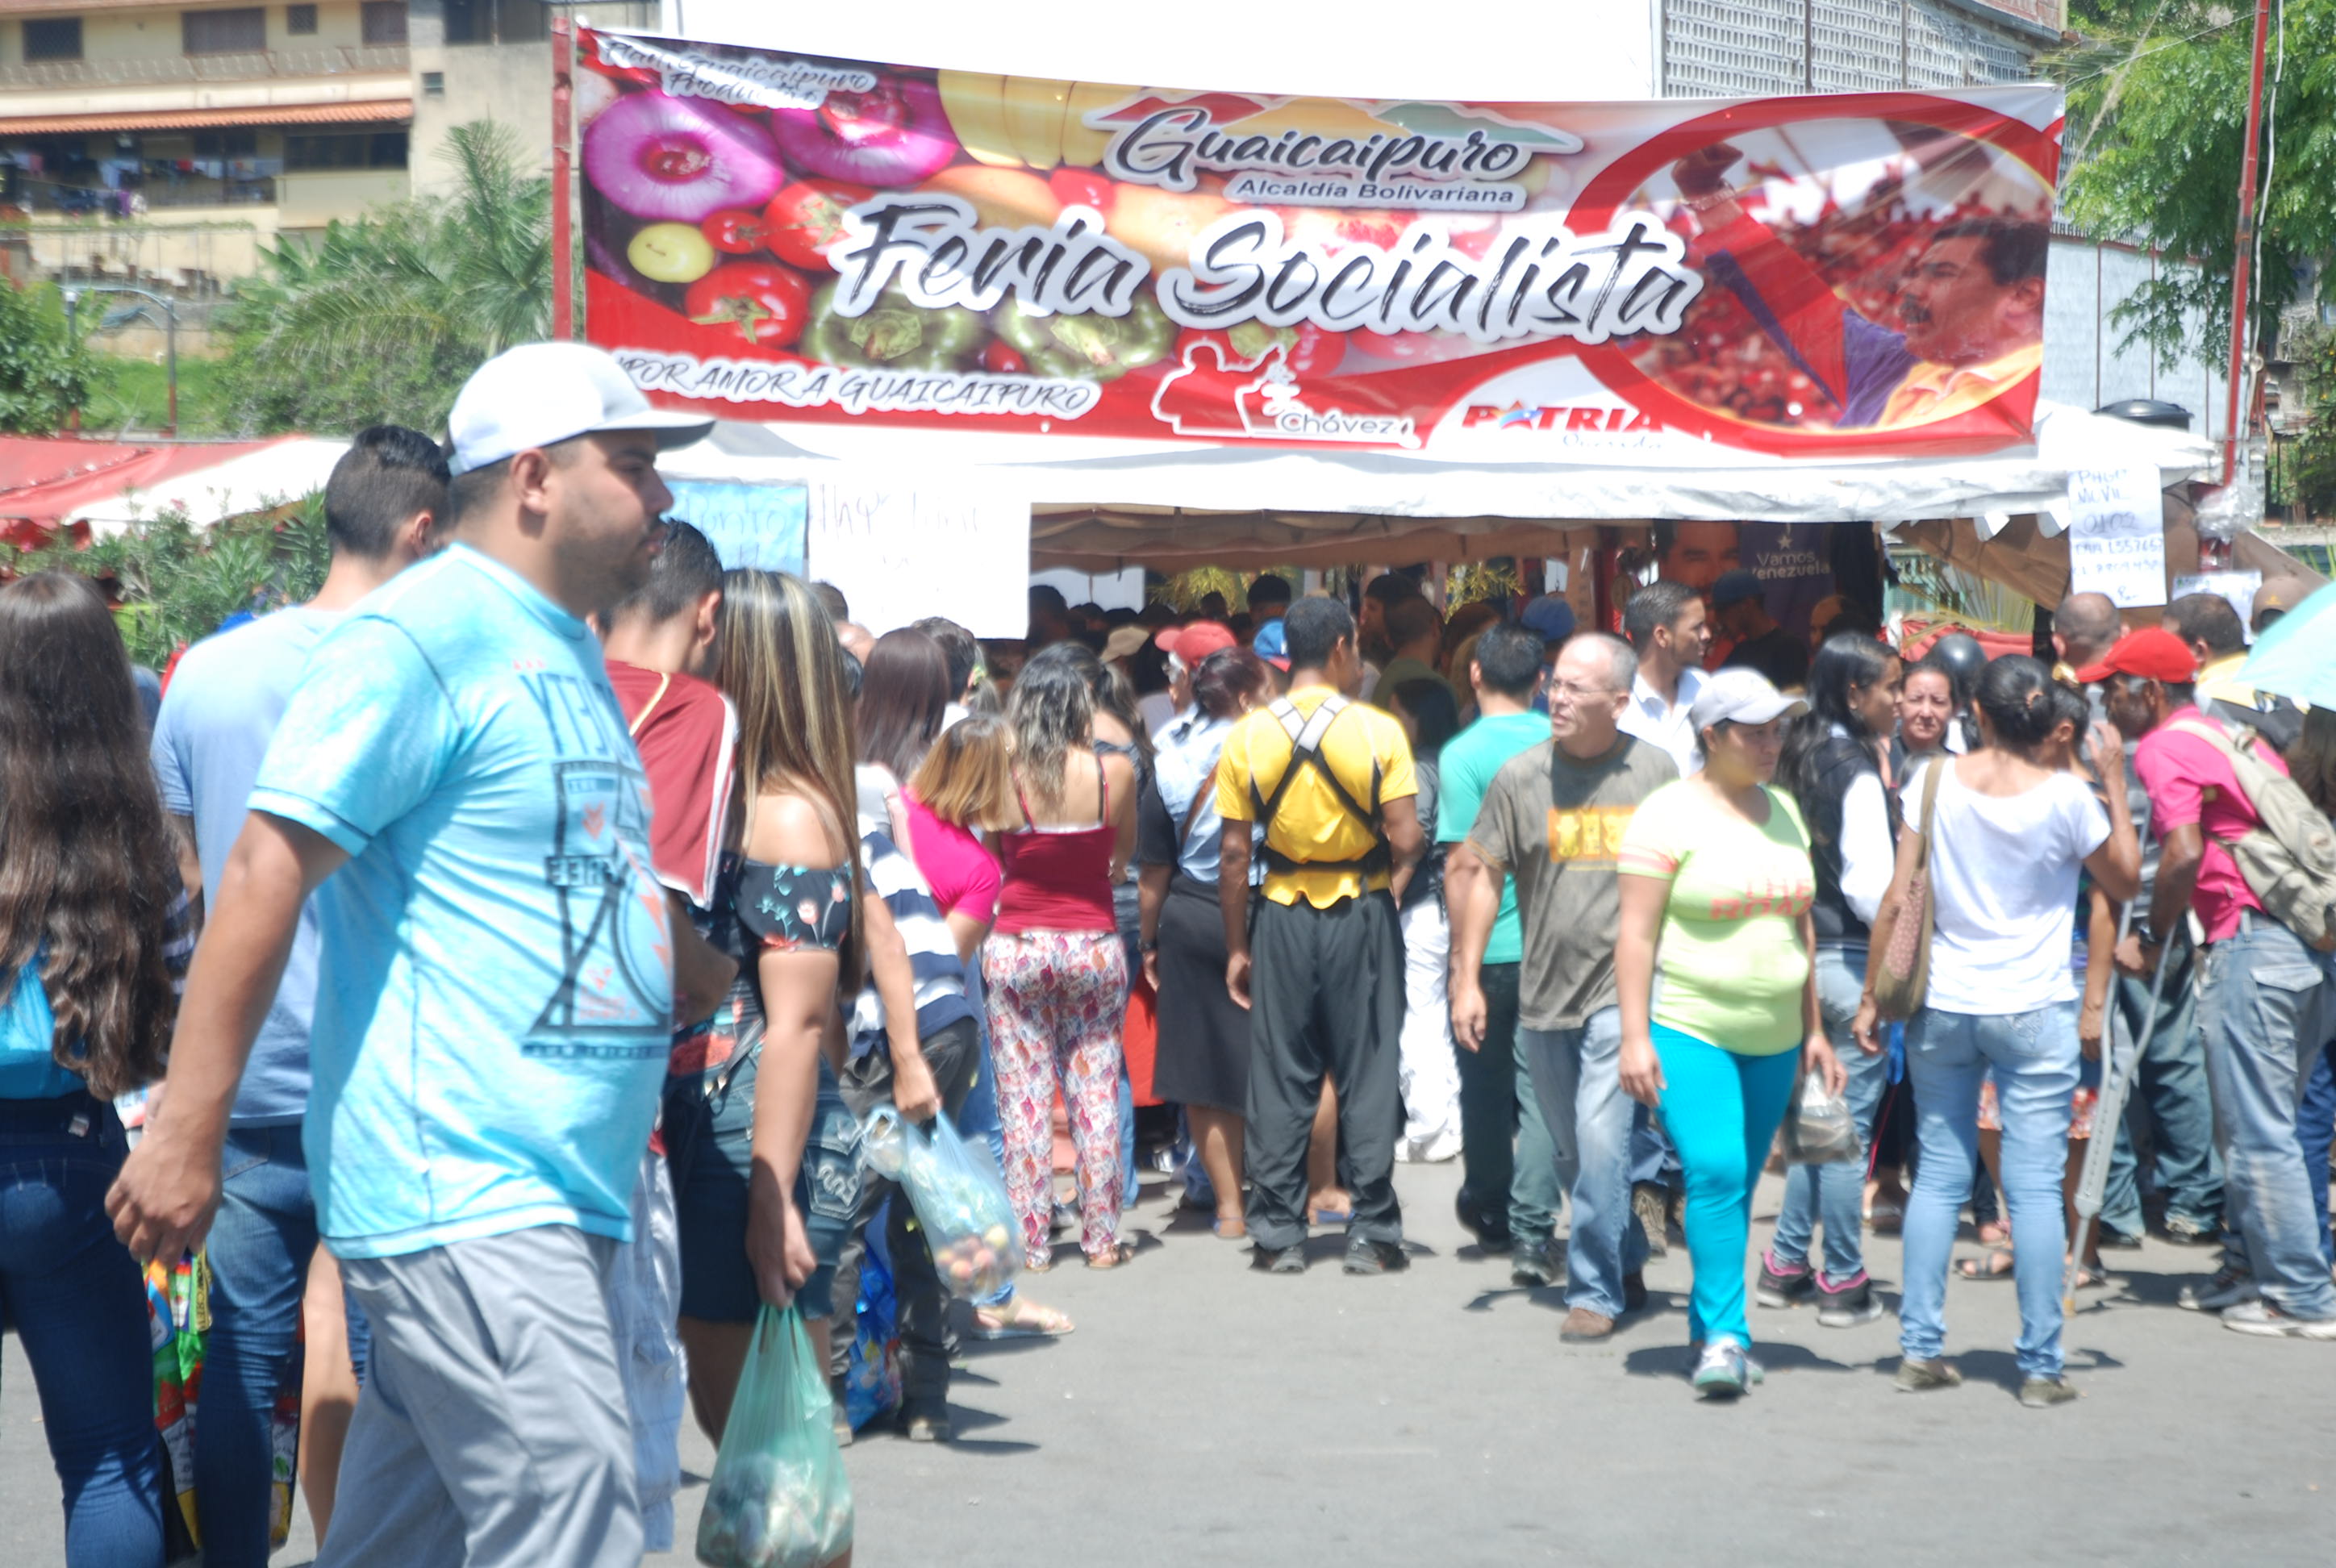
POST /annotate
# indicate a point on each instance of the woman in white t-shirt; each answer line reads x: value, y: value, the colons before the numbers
x: 2010, y: 834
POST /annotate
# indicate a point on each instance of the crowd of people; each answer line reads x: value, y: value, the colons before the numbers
x: 567, y: 904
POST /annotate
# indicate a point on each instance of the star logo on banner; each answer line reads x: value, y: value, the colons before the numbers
x: 1517, y: 413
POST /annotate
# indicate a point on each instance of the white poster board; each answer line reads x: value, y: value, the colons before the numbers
x: 2235, y: 589
x: 959, y: 549
x: 2116, y: 534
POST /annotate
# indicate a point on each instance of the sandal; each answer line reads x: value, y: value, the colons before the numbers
x: 1886, y: 1218
x: 1121, y: 1251
x: 1020, y: 1320
x: 2093, y: 1277
x: 1995, y: 1233
x: 1993, y: 1265
x: 1229, y: 1230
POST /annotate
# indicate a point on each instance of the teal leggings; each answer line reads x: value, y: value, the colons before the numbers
x: 1722, y: 1111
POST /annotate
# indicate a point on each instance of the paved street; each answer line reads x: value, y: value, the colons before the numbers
x: 1205, y: 1413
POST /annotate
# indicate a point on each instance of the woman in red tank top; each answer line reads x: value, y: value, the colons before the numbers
x: 1054, y: 969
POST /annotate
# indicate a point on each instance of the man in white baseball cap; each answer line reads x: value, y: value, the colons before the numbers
x: 453, y: 779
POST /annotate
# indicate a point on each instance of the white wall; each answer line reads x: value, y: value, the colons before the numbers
x: 2083, y: 362
x: 1519, y: 50
x: 1113, y: 590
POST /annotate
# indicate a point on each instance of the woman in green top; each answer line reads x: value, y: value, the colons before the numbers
x: 1716, y: 884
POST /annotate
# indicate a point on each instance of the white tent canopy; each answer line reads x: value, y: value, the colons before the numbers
x: 283, y: 471
x: 1099, y: 505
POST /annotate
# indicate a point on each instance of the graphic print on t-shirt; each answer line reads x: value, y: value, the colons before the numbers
x: 1587, y: 836
x: 614, y: 945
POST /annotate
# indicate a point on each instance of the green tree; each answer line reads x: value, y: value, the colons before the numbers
x: 384, y: 317
x: 43, y: 374
x: 2158, y: 105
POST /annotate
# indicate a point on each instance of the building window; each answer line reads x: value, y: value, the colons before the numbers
x: 433, y: 85
x: 300, y: 21
x: 52, y: 38
x: 494, y: 21
x: 345, y: 150
x: 227, y: 143
x: 384, y: 21
x: 242, y: 31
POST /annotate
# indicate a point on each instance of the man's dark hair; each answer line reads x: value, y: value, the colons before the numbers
x: 831, y: 599
x: 1410, y: 619
x: 1269, y: 589
x: 959, y: 647
x: 1656, y: 605
x: 684, y: 572
x: 1046, y: 596
x: 1508, y: 659
x: 2208, y: 618
x: 1391, y: 588
x: 2013, y: 249
x: 1312, y: 628
x: 388, y: 475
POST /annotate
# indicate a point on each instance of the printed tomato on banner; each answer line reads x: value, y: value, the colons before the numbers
x: 787, y: 237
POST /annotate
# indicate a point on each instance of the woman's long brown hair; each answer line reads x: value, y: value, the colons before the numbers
x: 783, y: 669
x: 86, y: 866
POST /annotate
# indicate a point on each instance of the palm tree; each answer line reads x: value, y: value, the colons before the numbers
x: 384, y: 317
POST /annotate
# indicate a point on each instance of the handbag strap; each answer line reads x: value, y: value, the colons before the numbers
x: 1930, y: 806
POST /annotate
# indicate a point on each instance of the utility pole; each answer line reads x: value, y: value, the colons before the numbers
x: 563, y: 116
x: 2243, y: 257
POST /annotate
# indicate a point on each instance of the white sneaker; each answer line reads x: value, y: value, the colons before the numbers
x: 1724, y: 1371
x: 1444, y: 1146
x: 2265, y: 1320
x: 2227, y: 1289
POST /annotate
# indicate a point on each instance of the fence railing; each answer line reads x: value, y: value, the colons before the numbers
x: 350, y: 59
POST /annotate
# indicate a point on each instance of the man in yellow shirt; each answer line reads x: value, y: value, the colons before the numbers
x: 2211, y: 626
x: 1330, y: 781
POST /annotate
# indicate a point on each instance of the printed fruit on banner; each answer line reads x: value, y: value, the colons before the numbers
x: 1001, y: 198
x: 1161, y: 225
x: 806, y: 218
x: 1083, y: 187
x: 682, y: 160
x: 895, y: 134
x: 894, y: 334
x: 754, y: 302
x: 1092, y: 348
x: 671, y: 253
x: 1009, y: 121
x: 735, y: 232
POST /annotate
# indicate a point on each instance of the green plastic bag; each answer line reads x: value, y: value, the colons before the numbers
x: 779, y: 1498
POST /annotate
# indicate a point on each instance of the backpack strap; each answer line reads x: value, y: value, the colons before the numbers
x: 1307, y: 733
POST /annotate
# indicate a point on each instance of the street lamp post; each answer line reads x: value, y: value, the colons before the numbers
x: 169, y: 339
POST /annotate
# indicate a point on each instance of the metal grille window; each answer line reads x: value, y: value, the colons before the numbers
x: 52, y: 38
x: 383, y: 21
x: 300, y: 21
x: 1737, y: 48
x: 357, y: 149
x: 242, y: 31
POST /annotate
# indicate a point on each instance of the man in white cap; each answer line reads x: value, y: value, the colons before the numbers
x: 492, y: 1022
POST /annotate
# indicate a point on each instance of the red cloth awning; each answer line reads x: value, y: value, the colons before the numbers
x: 43, y: 477
x: 367, y: 112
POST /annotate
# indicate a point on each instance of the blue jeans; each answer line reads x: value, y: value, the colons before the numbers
x: 1510, y: 1166
x: 73, y: 1296
x: 2034, y: 1057
x: 2267, y: 1006
x: 1836, y: 1194
x: 1721, y: 1110
x: 1577, y: 1084
x: 2315, y: 1128
x: 259, y: 1249
x: 2171, y: 1091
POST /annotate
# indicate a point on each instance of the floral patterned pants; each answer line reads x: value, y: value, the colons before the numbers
x: 1056, y: 1001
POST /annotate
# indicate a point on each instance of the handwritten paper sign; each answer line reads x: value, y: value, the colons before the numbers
x: 956, y: 550
x: 2116, y: 535
x: 755, y: 525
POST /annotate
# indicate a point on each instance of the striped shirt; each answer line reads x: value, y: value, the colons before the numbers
x: 941, y: 1001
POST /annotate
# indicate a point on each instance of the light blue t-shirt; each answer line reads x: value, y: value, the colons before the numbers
x: 496, y: 994
x: 218, y: 717
x: 1470, y: 760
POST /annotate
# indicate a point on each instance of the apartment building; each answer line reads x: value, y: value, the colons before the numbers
x: 174, y: 141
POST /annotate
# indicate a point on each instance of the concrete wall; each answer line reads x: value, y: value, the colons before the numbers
x: 312, y: 200
x: 509, y: 82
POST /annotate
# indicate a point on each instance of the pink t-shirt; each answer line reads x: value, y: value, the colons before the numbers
x: 963, y: 875
x: 2191, y: 783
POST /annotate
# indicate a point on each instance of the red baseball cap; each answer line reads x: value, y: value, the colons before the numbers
x: 1195, y: 642
x: 2153, y: 653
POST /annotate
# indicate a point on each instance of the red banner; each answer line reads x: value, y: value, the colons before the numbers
x: 782, y: 237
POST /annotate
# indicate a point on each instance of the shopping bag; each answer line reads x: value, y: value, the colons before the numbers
x: 961, y: 1205
x: 1820, y: 1130
x: 871, y: 1373
x: 779, y: 1498
x: 1902, y: 978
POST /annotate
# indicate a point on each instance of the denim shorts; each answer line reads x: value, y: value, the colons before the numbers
x: 709, y: 1128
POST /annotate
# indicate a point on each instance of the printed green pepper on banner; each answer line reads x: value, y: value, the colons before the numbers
x: 894, y: 334
x: 1093, y: 347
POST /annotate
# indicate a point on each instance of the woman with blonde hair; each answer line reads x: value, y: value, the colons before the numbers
x: 788, y: 907
x: 1055, y: 970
